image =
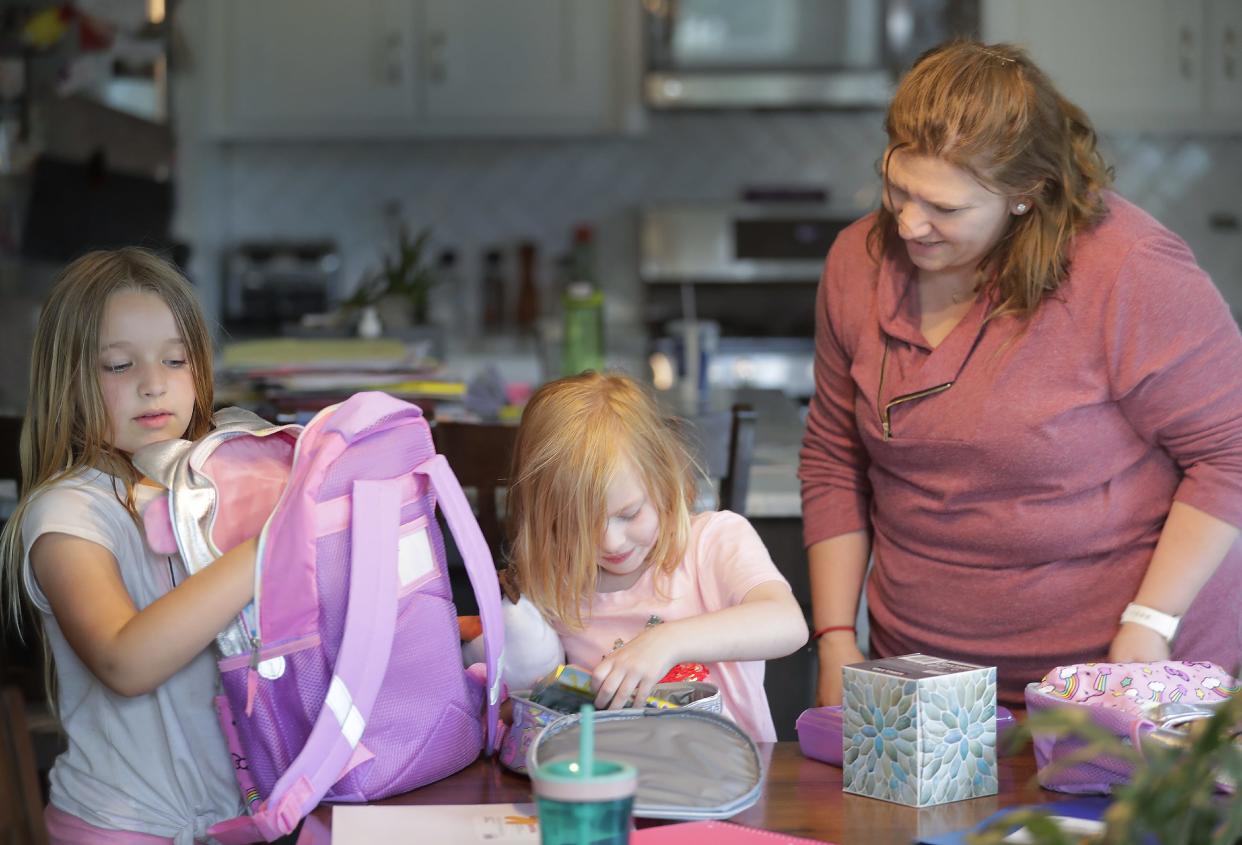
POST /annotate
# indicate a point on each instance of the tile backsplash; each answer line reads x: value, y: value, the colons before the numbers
x: 476, y: 193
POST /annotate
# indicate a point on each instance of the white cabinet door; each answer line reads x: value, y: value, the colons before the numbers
x: 533, y: 65
x: 1224, y: 59
x: 1128, y: 63
x: 320, y: 66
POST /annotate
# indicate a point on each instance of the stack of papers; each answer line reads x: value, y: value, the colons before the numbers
x: 442, y: 824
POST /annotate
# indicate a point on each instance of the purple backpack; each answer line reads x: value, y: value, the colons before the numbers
x: 1132, y: 700
x: 343, y: 680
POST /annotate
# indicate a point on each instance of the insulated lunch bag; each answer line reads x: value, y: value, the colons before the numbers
x: 343, y: 680
x: 1132, y: 700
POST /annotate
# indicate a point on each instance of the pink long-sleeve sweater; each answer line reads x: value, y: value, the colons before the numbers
x: 1014, y: 512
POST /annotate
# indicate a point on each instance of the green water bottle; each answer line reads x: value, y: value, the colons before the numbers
x: 583, y: 305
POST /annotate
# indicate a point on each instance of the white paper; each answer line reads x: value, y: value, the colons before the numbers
x: 1067, y: 824
x: 450, y: 824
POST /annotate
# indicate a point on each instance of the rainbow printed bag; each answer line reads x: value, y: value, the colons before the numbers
x: 1131, y: 700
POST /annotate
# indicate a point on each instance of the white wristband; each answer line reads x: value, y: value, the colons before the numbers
x: 1162, y: 623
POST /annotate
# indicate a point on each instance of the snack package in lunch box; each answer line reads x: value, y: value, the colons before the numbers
x: 531, y: 716
x: 1139, y: 702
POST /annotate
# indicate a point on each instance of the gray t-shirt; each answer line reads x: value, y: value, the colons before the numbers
x: 154, y: 763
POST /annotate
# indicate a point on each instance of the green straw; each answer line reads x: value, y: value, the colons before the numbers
x: 586, y: 742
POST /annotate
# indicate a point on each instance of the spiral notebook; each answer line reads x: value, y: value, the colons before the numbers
x: 717, y: 833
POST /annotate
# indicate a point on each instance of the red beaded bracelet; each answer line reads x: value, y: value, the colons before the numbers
x: 830, y: 629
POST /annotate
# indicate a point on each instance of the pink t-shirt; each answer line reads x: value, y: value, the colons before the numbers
x: 725, y: 560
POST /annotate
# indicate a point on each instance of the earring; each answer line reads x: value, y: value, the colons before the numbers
x: 1020, y: 208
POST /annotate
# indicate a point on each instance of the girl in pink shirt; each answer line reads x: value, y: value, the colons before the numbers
x: 605, y: 545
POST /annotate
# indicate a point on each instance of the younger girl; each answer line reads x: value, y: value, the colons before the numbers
x: 122, y: 359
x: 606, y: 547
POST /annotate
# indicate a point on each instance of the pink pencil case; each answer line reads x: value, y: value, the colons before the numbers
x: 819, y: 732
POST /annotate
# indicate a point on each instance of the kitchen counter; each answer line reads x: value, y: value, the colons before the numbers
x: 774, y: 488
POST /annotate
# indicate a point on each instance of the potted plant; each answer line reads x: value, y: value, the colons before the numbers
x: 399, y: 294
x: 1172, y: 796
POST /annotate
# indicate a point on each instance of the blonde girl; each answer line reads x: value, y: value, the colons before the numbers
x: 121, y: 359
x: 606, y: 546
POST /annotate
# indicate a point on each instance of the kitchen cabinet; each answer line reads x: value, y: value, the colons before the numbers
x: 294, y: 65
x: 390, y: 68
x: 1151, y: 65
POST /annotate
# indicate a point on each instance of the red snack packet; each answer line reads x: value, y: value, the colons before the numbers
x: 686, y: 672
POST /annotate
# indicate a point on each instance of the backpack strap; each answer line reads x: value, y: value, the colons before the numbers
x: 482, y: 572
x: 361, y: 664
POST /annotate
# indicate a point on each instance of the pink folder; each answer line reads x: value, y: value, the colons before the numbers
x: 716, y: 833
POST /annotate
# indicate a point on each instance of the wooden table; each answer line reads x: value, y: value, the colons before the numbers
x: 801, y: 797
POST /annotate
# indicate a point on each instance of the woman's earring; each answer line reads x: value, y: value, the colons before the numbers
x: 1020, y: 208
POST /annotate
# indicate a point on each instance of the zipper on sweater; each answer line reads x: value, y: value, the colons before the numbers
x: 884, y: 412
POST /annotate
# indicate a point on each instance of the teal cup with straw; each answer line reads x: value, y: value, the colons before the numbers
x: 585, y: 801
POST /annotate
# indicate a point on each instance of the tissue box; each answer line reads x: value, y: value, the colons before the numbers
x: 919, y: 730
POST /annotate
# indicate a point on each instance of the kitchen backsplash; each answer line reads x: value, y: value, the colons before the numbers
x: 477, y: 193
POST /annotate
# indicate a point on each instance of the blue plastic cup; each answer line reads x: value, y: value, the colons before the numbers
x: 590, y: 809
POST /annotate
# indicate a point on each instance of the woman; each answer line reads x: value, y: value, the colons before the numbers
x: 1028, y: 406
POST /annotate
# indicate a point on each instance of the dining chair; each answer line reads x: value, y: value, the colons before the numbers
x: 724, y: 444
x: 21, y: 800
x: 480, y: 455
x: 10, y: 453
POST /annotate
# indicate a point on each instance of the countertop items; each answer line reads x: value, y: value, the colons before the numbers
x: 297, y: 373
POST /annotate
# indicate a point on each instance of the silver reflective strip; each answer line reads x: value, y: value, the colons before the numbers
x: 341, y: 703
x: 493, y: 693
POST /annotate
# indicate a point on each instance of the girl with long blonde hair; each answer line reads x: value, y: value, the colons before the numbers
x: 121, y: 359
x: 605, y: 545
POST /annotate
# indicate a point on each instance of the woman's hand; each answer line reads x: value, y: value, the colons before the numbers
x: 836, y: 649
x: 627, y: 676
x: 1136, y: 643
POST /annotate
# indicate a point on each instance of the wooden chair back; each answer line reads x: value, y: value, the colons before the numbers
x: 480, y: 455
x: 21, y: 800
x: 724, y: 443
x: 10, y: 442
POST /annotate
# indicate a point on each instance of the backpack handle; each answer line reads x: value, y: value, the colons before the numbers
x: 361, y: 664
x: 482, y: 571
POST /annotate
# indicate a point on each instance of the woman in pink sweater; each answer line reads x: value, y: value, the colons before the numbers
x: 1028, y: 407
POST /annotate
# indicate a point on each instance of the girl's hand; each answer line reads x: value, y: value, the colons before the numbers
x: 1136, y: 643
x: 836, y: 650
x: 627, y: 676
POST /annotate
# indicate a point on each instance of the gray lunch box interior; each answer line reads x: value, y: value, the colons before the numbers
x: 691, y: 764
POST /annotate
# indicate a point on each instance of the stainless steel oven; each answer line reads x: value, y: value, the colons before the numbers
x: 790, y: 53
x: 750, y: 270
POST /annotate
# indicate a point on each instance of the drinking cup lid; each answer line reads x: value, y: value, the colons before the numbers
x: 562, y: 780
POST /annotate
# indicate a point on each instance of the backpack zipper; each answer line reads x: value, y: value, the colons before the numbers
x: 252, y: 674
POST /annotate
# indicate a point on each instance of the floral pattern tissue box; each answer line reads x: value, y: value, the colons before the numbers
x: 919, y: 730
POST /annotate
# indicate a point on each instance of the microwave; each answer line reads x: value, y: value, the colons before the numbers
x: 790, y: 53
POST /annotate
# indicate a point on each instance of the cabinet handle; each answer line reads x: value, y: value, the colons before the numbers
x: 1184, y: 63
x: 436, y: 41
x: 1231, y: 43
x: 391, y: 68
